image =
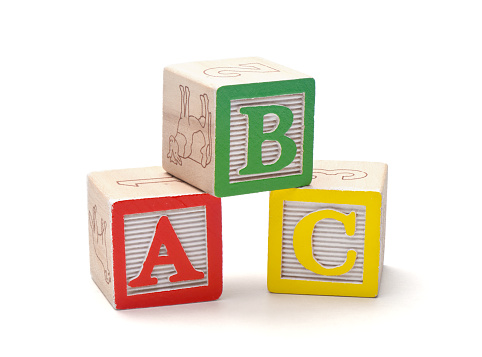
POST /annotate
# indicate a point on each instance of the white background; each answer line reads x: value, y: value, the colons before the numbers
x: 397, y: 82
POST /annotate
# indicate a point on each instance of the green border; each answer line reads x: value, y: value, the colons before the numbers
x: 222, y: 187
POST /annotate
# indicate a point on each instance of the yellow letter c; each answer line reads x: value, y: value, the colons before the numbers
x: 302, y: 237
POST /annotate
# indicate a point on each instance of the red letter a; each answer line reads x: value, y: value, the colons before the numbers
x: 175, y: 255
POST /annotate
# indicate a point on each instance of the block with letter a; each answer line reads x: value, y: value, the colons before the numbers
x: 237, y: 126
x: 154, y: 240
x: 328, y: 238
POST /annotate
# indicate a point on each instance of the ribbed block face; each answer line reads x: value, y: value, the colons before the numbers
x: 189, y: 224
x: 264, y: 136
x: 324, y: 242
x: 271, y: 149
x: 330, y: 243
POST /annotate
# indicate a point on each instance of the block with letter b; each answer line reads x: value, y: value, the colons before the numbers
x: 328, y: 238
x: 154, y: 240
x: 238, y: 126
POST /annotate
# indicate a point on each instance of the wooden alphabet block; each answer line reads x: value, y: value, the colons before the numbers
x: 238, y: 126
x: 328, y: 238
x: 154, y: 240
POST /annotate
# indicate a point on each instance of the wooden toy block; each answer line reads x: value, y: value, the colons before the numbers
x: 328, y: 238
x: 154, y: 240
x: 238, y: 126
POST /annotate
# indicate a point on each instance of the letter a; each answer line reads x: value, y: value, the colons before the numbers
x: 165, y: 235
x: 256, y: 137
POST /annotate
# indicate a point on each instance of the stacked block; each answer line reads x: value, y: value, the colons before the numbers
x: 328, y: 238
x: 238, y: 126
x: 235, y: 127
x: 154, y: 240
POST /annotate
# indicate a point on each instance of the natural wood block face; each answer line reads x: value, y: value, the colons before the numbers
x: 328, y: 238
x: 238, y: 126
x: 154, y: 240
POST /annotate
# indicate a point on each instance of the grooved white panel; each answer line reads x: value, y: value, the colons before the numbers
x: 270, y: 149
x: 190, y: 227
x: 330, y: 242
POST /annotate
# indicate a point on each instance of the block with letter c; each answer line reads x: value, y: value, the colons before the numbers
x: 328, y: 238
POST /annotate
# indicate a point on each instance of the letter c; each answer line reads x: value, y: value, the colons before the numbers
x: 302, y: 238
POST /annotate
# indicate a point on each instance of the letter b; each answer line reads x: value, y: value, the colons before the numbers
x: 256, y: 137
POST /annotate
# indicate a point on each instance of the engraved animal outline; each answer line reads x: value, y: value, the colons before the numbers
x: 346, y: 174
x: 99, y: 241
x: 181, y: 145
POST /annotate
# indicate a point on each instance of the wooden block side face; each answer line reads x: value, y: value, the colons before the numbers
x: 383, y: 224
x: 349, y: 175
x: 324, y: 242
x: 188, y: 137
x: 100, y: 241
x: 167, y: 251
x: 234, y: 71
x: 265, y: 136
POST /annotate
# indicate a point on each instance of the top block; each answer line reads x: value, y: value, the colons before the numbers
x: 238, y: 126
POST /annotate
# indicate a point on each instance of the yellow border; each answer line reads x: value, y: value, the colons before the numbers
x: 371, y: 200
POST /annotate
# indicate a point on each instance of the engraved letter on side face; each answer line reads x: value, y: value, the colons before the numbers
x: 238, y: 70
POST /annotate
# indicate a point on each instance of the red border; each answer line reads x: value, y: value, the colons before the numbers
x: 214, y: 246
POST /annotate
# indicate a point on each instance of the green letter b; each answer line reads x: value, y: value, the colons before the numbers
x: 256, y: 137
